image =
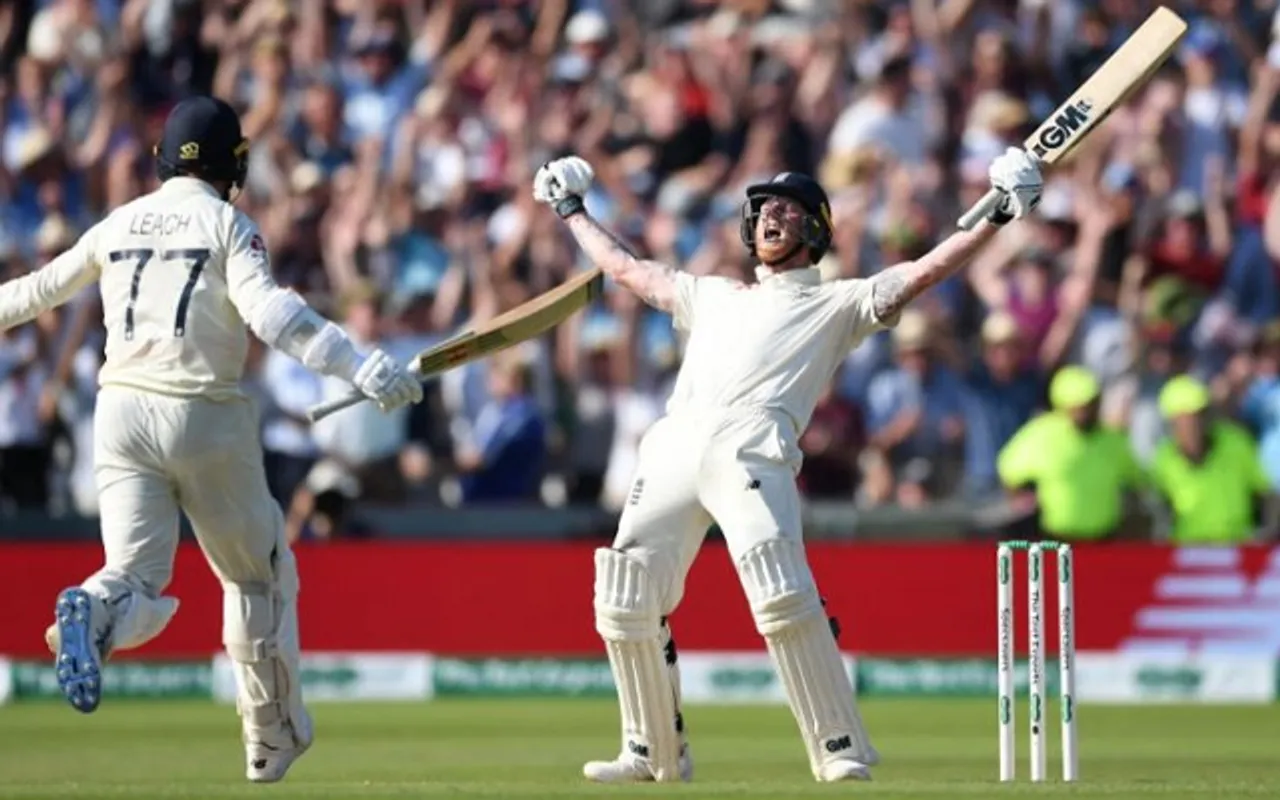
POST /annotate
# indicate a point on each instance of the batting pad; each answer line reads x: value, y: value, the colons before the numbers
x: 628, y: 620
x: 260, y: 633
x: 788, y: 613
x: 672, y: 657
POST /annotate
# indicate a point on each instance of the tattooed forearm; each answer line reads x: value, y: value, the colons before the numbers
x: 651, y: 281
x: 894, y: 287
x: 599, y: 243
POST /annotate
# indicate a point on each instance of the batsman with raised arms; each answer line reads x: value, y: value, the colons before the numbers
x: 182, y: 272
x: 757, y: 358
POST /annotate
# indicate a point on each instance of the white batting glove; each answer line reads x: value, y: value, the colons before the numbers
x: 561, y: 180
x: 1016, y: 175
x: 382, y: 380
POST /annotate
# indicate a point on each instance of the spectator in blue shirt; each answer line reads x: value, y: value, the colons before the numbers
x: 916, y: 415
x: 1002, y: 394
x: 505, y: 460
x: 382, y: 86
x: 1260, y: 406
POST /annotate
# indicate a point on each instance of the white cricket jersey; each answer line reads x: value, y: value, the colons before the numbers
x: 180, y: 272
x: 772, y: 345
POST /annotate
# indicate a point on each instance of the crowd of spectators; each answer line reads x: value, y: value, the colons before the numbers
x: 394, y: 142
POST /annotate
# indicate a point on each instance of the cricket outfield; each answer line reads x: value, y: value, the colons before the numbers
x: 934, y: 748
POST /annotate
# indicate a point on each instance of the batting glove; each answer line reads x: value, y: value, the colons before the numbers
x: 382, y: 380
x: 562, y: 183
x: 1016, y: 175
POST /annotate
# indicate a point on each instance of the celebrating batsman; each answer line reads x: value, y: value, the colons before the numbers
x: 182, y: 272
x: 757, y: 358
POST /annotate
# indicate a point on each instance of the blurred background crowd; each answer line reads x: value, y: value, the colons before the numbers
x: 394, y: 142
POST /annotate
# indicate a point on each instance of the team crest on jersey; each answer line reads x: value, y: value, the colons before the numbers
x: 258, y: 248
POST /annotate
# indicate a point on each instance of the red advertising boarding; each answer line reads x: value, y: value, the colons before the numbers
x: 535, y: 599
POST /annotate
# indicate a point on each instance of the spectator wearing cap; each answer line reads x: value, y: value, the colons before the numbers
x: 504, y: 461
x: 587, y: 34
x: 1002, y: 393
x: 915, y: 412
x: 1207, y: 470
x: 1078, y: 470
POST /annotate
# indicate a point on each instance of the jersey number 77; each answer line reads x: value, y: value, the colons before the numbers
x: 143, y: 255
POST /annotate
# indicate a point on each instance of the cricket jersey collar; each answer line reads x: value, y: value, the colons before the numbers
x: 809, y: 276
x: 184, y: 184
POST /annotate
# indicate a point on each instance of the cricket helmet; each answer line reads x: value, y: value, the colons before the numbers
x: 805, y: 191
x: 202, y: 138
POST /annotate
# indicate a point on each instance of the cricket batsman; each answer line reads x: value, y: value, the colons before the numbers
x: 182, y: 272
x: 757, y: 358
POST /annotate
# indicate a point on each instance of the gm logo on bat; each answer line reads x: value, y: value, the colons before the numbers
x: 1073, y: 118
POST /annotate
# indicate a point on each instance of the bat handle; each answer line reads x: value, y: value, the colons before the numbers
x: 322, y: 410
x: 970, y: 219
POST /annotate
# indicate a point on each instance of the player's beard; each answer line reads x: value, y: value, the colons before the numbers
x: 783, y: 246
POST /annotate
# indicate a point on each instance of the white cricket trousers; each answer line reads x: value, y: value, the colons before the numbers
x: 154, y: 455
x: 731, y: 466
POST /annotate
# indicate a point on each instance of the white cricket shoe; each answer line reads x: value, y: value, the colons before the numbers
x: 628, y: 768
x: 843, y: 769
x: 269, y: 754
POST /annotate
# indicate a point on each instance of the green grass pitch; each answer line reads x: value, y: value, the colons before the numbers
x: 534, y: 748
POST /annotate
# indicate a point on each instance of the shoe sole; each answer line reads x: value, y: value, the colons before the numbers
x: 79, y: 674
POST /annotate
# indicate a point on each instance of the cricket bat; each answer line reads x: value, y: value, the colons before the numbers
x: 526, y: 321
x: 1127, y: 69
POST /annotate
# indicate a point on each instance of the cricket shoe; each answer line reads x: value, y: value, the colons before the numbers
x: 79, y: 640
x: 843, y: 769
x: 268, y: 755
x: 872, y: 757
x: 628, y: 768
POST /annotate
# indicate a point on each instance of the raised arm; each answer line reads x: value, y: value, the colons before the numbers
x: 651, y: 281
x: 561, y: 185
x: 1017, y: 175
x: 893, y: 287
